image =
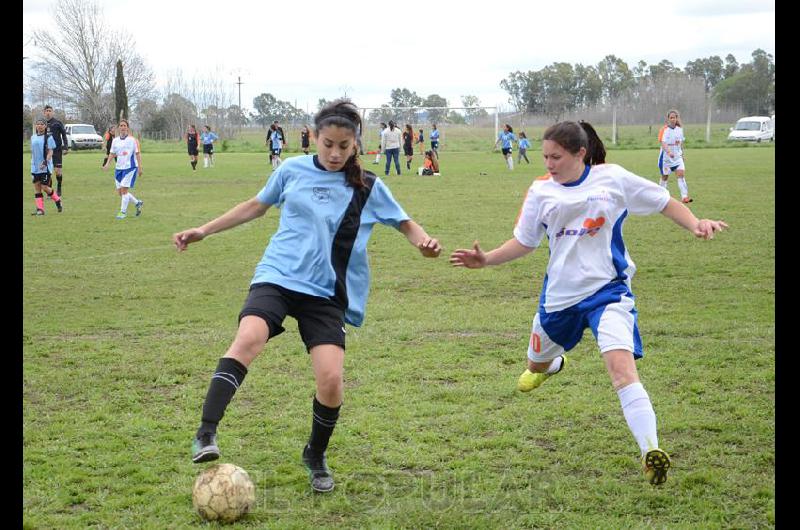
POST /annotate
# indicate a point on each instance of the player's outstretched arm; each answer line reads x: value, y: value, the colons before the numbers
x: 417, y: 236
x: 476, y: 258
x: 683, y: 216
x: 239, y: 214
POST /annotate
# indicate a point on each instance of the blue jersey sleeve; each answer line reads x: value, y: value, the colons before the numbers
x: 51, y: 144
x: 272, y: 191
x: 382, y: 207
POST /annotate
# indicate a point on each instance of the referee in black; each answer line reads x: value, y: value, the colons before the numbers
x: 56, y: 129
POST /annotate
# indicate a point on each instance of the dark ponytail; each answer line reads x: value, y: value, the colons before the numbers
x: 572, y: 136
x: 343, y: 113
x: 596, y: 152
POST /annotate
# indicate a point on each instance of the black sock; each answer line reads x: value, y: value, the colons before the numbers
x: 322, y: 424
x: 58, y: 188
x: 229, y: 375
x: 194, y: 163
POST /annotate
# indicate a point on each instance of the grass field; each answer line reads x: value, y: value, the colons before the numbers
x: 121, y: 336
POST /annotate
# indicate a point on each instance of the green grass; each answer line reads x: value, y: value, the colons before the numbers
x: 121, y: 335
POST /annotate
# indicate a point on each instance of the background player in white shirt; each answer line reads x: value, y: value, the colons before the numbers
x: 580, y: 205
x: 670, y: 158
x: 125, y: 150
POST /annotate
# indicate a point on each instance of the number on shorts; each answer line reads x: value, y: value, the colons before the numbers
x: 536, y: 342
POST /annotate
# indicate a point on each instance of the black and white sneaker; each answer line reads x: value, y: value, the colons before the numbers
x: 204, y: 448
x: 318, y: 472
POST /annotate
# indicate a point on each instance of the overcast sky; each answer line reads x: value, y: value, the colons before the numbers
x: 303, y: 50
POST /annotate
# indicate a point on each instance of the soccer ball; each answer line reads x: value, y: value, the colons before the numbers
x: 223, y: 492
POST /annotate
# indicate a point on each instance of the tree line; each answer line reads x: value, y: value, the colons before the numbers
x: 562, y: 88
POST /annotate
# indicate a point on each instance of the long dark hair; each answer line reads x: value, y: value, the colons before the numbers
x: 343, y: 113
x: 573, y: 135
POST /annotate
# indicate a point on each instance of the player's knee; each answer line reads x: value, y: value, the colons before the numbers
x: 330, y: 383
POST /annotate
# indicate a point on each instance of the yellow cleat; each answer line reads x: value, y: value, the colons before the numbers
x: 656, y: 463
x: 530, y: 380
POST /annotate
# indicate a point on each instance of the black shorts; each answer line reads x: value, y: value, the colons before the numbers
x: 57, y: 153
x: 208, y: 149
x: 319, y: 320
x: 192, y: 148
x: 276, y: 152
x: 434, y: 144
x: 408, y: 150
x: 506, y: 150
x: 44, y: 178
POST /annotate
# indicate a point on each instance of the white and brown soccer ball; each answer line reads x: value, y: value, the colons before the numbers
x: 223, y: 492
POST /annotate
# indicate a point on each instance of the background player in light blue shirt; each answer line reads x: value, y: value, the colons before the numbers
x: 506, y: 137
x: 208, y: 139
x: 524, y: 145
x: 314, y: 269
x: 42, y: 146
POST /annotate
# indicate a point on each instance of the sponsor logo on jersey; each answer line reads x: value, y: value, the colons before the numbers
x: 322, y: 195
x: 590, y: 226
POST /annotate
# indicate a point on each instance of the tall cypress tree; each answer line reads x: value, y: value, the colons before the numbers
x: 120, y: 94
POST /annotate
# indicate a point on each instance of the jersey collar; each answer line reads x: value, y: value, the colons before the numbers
x: 580, y: 180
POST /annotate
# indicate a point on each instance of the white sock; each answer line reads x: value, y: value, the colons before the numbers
x: 510, y: 162
x: 683, y: 187
x: 123, y: 206
x: 663, y: 183
x: 640, y: 415
x: 205, y: 162
x: 132, y: 198
x: 555, y: 366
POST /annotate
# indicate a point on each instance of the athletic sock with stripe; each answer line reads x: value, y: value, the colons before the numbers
x: 224, y: 383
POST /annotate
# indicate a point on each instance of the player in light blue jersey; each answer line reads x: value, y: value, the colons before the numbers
x: 506, y: 138
x: 524, y: 145
x: 208, y: 139
x: 435, y: 140
x: 314, y: 269
x: 42, y: 147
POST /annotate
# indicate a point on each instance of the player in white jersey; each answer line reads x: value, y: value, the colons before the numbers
x: 670, y: 158
x: 125, y: 150
x: 580, y: 205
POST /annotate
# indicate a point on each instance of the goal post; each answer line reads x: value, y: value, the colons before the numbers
x: 460, y: 128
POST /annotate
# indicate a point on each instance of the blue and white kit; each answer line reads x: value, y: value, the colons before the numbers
x: 588, y: 278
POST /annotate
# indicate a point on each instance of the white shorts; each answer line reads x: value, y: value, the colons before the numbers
x: 125, y: 178
x: 609, y: 313
x: 667, y: 166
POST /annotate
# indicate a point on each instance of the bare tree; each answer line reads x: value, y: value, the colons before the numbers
x: 76, y: 65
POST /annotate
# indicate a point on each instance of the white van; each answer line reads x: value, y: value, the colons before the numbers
x: 753, y: 129
x: 82, y: 136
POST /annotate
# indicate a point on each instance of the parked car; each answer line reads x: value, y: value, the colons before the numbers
x: 753, y: 129
x: 83, y: 136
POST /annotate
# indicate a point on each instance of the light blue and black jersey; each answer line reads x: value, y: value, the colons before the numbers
x: 39, y: 155
x: 506, y: 138
x: 320, y: 247
x: 276, y: 140
x: 209, y: 137
x: 524, y: 143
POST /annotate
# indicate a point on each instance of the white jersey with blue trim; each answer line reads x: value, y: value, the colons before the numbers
x: 583, y: 223
x: 304, y: 254
x: 125, y: 149
x: 674, y: 140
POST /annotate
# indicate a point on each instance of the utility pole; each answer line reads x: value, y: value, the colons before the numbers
x: 239, y: 125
